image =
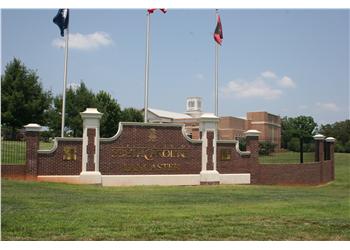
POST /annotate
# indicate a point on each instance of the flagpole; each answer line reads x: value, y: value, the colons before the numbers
x: 64, y: 80
x: 216, y: 72
x: 147, y: 67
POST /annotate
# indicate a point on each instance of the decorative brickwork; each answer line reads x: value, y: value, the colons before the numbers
x: 12, y: 171
x: 32, y: 141
x: 210, y: 150
x: 53, y: 163
x: 149, y: 149
x: 91, y: 148
x: 314, y: 173
x: 135, y: 152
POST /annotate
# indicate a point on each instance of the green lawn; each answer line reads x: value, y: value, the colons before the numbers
x: 286, y: 157
x: 49, y: 211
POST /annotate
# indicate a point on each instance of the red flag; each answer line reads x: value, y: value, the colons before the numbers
x: 218, y: 35
x: 151, y: 10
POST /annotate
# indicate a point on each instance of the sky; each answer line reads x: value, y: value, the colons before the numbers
x: 288, y: 62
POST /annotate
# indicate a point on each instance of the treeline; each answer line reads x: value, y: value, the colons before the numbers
x: 341, y: 132
x: 23, y: 101
x: 290, y: 139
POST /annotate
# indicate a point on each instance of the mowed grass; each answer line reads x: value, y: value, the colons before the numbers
x: 286, y: 157
x: 14, y: 152
x: 52, y: 211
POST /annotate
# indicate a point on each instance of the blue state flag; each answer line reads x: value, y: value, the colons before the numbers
x: 62, y: 20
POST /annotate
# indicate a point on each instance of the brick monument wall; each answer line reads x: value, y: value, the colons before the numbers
x: 328, y: 171
x: 314, y: 173
x: 13, y: 171
x: 54, y: 164
x: 158, y: 149
x: 150, y: 150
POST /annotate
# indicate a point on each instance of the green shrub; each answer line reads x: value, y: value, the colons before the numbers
x: 242, y: 144
x: 294, y: 145
x: 339, y: 148
x: 347, y: 147
x: 266, y: 148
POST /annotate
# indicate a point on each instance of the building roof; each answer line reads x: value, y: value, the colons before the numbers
x: 168, y: 114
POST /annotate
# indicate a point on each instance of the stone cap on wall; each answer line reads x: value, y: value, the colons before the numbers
x: 32, y: 127
x: 209, y: 117
x: 319, y: 137
x: 252, y: 132
x: 91, y: 113
x: 330, y: 139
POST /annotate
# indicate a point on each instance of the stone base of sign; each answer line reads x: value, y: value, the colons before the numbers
x: 162, y: 180
x: 235, y: 179
x: 209, y: 177
x: 90, y: 177
x: 135, y: 180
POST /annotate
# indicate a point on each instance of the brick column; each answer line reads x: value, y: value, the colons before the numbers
x: 331, y: 141
x: 91, y: 147
x: 208, y: 129
x: 319, y: 147
x: 32, y: 135
x: 319, y: 153
x: 252, y: 138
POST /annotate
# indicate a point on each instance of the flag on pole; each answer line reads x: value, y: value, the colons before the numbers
x: 150, y: 11
x: 218, y: 36
x: 62, y: 20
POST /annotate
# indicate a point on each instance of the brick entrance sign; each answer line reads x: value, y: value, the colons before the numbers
x: 162, y: 154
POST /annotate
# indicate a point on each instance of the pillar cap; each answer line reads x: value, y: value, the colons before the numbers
x: 330, y: 139
x: 32, y: 127
x: 319, y: 137
x: 91, y: 113
x: 252, y: 132
x: 209, y: 117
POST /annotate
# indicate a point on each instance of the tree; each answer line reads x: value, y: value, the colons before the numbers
x: 286, y: 132
x: 341, y: 132
x: 23, y: 99
x: 111, y: 114
x: 132, y: 115
x: 302, y: 127
x: 80, y: 98
x: 77, y: 100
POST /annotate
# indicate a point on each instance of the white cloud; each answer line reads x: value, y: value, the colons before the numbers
x: 286, y: 82
x: 257, y: 88
x: 328, y: 106
x: 269, y: 74
x: 85, y: 42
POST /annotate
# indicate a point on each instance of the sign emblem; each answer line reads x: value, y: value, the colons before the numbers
x: 152, y: 136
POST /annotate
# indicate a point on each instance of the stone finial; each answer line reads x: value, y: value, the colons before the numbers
x: 32, y: 127
x: 319, y: 137
x: 330, y: 139
x: 209, y: 117
x: 91, y: 113
x: 252, y: 132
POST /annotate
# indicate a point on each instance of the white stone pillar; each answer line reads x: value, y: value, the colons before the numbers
x: 91, y: 147
x: 209, y: 136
